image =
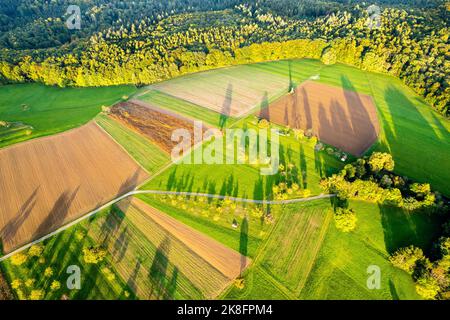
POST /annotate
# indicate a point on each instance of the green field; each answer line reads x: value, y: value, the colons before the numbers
x: 417, y: 137
x: 141, y: 149
x: 245, y: 181
x: 50, y: 110
x: 339, y: 265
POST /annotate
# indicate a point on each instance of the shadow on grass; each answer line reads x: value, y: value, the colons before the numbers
x: 403, y: 228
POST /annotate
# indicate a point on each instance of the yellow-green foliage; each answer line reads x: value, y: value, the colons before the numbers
x: 381, y: 161
x: 406, y: 258
x: 93, y: 255
x: 345, y: 219
x: 427, y: 288
x: 18, y: 259
x: 36, y: 250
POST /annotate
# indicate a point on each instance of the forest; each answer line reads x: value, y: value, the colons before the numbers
x: 142, y: 42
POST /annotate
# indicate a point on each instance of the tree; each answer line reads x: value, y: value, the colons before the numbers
x: 329, y: 56
x: 94, y: 255
x: 36, y: 250
x: 379, y: 161
x: 406, y: 258
x: 18, y: 259
x: 55, y: 286
x: 427, y: 288
x: 37, y: 294
x: 345, y: 219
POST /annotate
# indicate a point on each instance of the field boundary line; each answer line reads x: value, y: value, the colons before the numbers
x: 121, y: 146
x: 157, y: 192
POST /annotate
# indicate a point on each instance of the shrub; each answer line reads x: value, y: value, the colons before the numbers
x: 36, y: 295
x: 55, y: 286
x: 94, y: 255
x: 36, y: 250
x: 48, y: 272
x: 381, y: 161
x: 18, y: 259
x: 345, y: 219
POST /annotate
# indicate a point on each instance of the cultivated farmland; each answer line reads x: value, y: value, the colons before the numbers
x: 342, y: 118
x: 156, y: 124
x: 48, y: 182
x: 230, y: 91
x: 209, y: 265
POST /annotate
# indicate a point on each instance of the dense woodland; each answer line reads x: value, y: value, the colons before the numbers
x: 141, y: 42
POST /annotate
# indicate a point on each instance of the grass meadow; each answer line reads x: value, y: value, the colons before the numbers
x: 50, y: 110
x: 320, y: 262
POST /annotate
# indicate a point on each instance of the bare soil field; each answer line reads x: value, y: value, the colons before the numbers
x: 48, y: 182
x: 208, y: 264
x: 342, y: 118
x: 230, y: 91
x: 154, y: 123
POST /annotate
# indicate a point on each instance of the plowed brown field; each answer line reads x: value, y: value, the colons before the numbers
x: 344, y: 119
x: 49, y: 182
x: 154, y: 123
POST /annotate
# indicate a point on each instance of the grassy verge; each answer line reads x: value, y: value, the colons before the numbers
x: 142, y: 150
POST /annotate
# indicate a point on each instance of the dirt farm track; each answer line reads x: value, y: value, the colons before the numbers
x: 342, y: 118
x: 51, y: 181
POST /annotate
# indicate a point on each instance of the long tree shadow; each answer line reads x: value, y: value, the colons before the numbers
x: 404, y: 228
x: 264, y: 110
x: 364, y: 127
x: 130, y: 183
x: 172, y: 285
x: 226, y: 107
x: 132, y: 282
x: 243, y: 244
x: 113, y: 221
x: 158, y: 269
x: 57, y: 214
x: 303, y: 167
x: 8, y: 232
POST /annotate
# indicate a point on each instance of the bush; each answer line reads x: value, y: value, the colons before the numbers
x: 55, y: 286
x: 345, y: 219
x: 18, y: 259
x: 94, y: 255
x: 36, y: 250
